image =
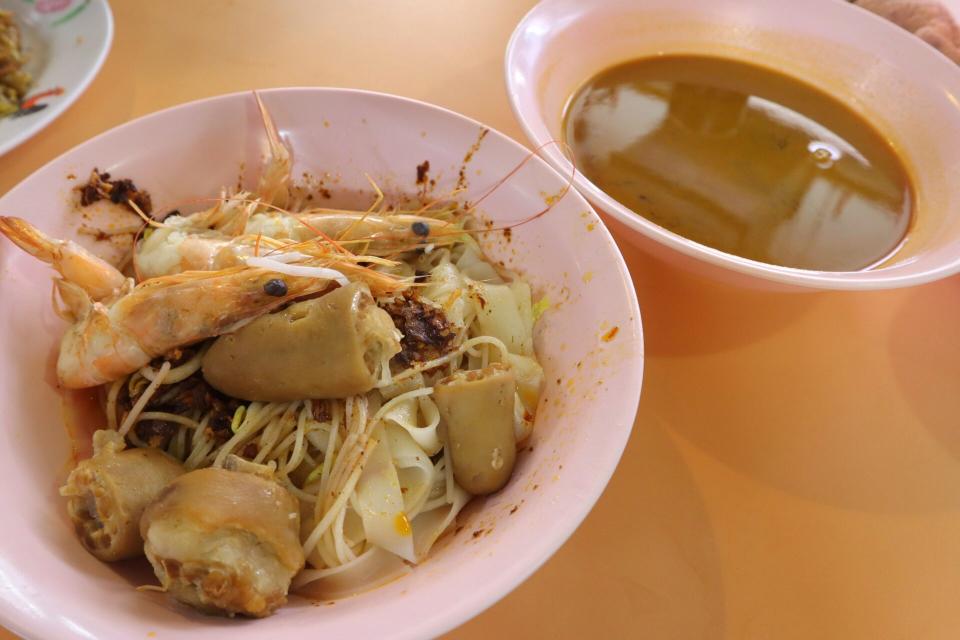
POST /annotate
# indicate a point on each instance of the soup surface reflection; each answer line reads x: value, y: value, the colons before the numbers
x: 742, y: 159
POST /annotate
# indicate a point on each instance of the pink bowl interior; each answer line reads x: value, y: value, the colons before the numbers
x: 50, y: 587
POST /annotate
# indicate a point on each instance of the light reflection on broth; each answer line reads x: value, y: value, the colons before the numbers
x: 742, y: 159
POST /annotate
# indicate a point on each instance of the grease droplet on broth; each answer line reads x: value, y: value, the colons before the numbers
x: 742, y: 159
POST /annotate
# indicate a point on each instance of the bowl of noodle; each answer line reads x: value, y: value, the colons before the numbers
x: 303, y: 348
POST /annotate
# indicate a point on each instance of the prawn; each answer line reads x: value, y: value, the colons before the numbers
x: 121, y: 328
x: 165, y: 313
x: 383, y: 234
x: 96, y: 277
x: 213, y: 239
x: 206, y: 240
x: 176, y: 248
x: 187, y: 245
x: 223, y: 235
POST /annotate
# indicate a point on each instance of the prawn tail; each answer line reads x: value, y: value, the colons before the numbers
x: 29, y: 238
x: 95, y: 276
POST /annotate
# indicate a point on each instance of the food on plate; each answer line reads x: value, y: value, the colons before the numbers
x: 84, y: 276
x: 126, y: 328
x: 101, y: 186
x: 328, y: 347
x: 331, y: 387
x: 743, y: 159
x: 106, y: 495
x: 224, y: 541
x: 14, y: 80
x: 929, y: 20
x: 477, y: 409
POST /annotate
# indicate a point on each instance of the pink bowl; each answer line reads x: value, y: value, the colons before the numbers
x: 898, y: 82
x: 51, y: 588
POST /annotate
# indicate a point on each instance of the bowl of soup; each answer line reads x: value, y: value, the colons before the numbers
x: 777, y: 144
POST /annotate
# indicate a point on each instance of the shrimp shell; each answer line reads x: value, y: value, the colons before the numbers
x: 98, y: 278
x: 187, y: 246
x: 164, y: 313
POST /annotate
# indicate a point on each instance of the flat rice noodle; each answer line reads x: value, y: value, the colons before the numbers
x: 371, y: 569
x: 530, y: 379
x: 380, y: 503
x: 502, y: 317
x: 407, y: 414
x: 430, y: 525
x: 524, y: 297
x: 414, y: 469
x: 444, y: 280
x: 474, y: 264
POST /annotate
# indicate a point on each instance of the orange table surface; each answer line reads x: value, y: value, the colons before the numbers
x: 793, y: 471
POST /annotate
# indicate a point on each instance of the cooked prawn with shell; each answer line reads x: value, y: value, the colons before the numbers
x: 114, y: 335
x: 92, y: 275
x: 165, y: 313
x: 185, y: 243
x: 240, y: 224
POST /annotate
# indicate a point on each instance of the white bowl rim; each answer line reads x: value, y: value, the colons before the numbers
x: 870, y: 280
x: 592, y: 488
x: 71, y: 96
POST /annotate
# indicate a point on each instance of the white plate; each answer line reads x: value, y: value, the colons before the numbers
x: 67, y: 41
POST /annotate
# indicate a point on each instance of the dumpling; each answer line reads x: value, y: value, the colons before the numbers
x: 108, y: 493
x: 329, y: 347
x: 225, y: 542
x: 477, y: 408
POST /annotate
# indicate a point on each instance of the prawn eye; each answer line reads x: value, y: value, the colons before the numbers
x: 275, y: 287
x: 421, y: 229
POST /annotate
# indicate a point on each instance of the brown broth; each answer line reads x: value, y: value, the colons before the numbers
x: 742, y: 159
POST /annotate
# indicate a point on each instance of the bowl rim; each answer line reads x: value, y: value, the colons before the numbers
x: 31, y: 626
x: 73, y: 94
x: 865, y: 280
